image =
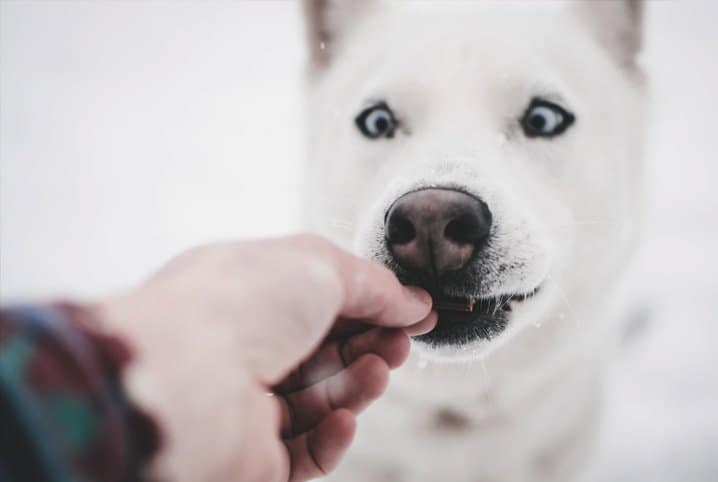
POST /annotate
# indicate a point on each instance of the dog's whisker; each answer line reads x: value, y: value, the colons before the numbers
x: 616, y: 225
x: 500, y: 307
x: 485, y: 372
x: 588, y: 223
x: 564, y: 297
x: 346, y: 225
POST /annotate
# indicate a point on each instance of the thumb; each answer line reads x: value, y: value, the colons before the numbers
x: 315, y: 284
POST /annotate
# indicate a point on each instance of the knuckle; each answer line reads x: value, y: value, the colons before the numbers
x: 317, y: 264
x: 322, y: 282
x: 310, y: 250
x: 313, y: 290
x: 377, y: 282
x: 362, y: 282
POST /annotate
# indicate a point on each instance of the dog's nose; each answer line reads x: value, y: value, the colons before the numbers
x: 436, y: 230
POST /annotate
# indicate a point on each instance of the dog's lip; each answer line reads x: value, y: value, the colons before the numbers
x: 486, y: 304
x: 463, y: 319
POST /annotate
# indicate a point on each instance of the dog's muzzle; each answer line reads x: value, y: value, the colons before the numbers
x: 433, y: 236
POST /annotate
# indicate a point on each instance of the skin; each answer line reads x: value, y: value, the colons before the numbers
x: 257, y: 356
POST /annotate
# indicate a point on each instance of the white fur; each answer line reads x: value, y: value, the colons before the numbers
x: 459, y: 76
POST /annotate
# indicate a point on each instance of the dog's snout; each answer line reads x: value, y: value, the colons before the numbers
x: 436, y: 230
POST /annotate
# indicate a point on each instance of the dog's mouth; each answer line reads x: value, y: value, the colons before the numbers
x: 462, y: 320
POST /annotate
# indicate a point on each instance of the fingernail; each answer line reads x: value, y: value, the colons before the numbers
x: 419, y: 294
x: 424, y: 326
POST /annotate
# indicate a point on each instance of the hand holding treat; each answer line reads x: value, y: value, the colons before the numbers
x: 257, y: 356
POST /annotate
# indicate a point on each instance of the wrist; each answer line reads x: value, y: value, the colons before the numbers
x: 188, y: 372
x: 128, y: 437
x: 118, y: 317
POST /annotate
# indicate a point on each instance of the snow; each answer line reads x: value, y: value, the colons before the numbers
x: 129, y: 131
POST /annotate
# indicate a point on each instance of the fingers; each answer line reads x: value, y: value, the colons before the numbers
x: 424, y: 326
x: 373, y: 293
x: 302, y: 285
x: 391, y: 344
x: 353, y: 388
x: 316, y: 453
x: 368, y: 290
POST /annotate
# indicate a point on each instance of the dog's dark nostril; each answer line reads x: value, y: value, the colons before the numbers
x: 467, y: 228
x: 458, y: 230
x: 399, y: 229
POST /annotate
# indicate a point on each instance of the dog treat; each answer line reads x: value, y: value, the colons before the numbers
x: 455, y: 305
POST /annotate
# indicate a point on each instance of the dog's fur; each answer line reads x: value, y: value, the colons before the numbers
x: 459, y: 76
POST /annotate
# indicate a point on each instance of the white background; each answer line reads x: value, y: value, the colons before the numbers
x: 131, y: 130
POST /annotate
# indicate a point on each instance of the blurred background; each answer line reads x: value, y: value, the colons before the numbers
x: 132, y: 130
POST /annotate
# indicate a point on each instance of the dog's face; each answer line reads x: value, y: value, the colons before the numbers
x: 486, y: 151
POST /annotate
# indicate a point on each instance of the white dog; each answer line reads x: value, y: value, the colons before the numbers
x: 489, y: 152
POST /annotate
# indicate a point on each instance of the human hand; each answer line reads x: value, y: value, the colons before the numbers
x: 221, y: 326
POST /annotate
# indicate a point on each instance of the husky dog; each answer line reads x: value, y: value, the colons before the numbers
x: 490, y: 153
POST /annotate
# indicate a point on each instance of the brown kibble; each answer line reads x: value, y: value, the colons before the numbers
x: 455, y: 305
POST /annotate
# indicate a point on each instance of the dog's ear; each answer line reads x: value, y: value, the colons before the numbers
x: 328, y: 21
x: 616, y: 24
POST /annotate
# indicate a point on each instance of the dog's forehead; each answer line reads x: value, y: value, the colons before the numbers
x: 466, y: 35
x: 416, y: 48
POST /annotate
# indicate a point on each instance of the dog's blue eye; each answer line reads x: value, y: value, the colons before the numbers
x: 376, y: 121
x: 545, y: 119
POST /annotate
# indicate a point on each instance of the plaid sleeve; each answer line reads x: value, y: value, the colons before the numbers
x: 64, y: 415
